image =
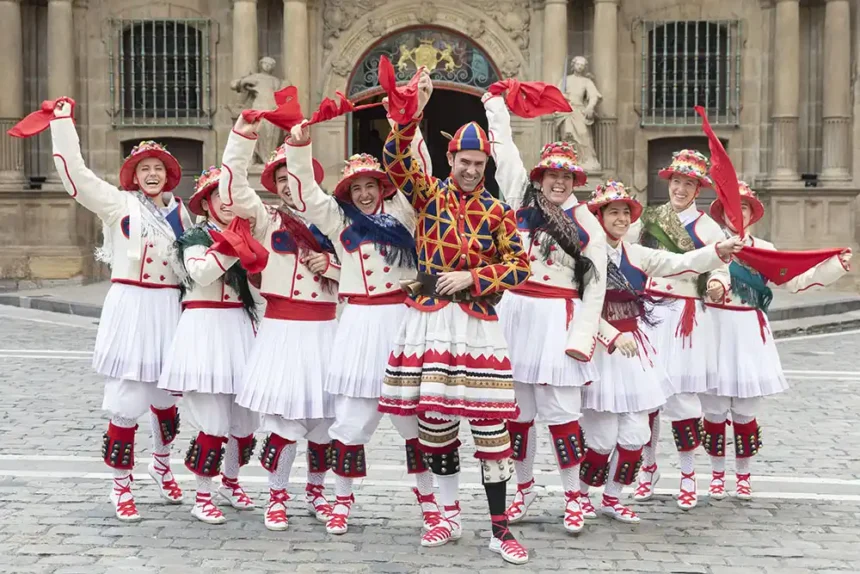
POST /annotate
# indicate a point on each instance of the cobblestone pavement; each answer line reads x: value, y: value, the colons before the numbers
x: 55, y: 517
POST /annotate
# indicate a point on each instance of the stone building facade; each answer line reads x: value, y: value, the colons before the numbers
x: 779, y: 78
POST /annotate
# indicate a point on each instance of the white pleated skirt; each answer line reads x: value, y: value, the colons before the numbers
x: 536, y: 331
x: 209, y: 352
x: 135, y: 332
x: 365, y: 337
x: 287, y: 368
x: 627, y: 385
x: 747, y: 366
x: 690, y: 362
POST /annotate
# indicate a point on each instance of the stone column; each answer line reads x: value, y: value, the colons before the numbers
x: 554, y: 53
x: 604, y: 62
x: 245, y: 50
x: 786, y: 97
x: 837, y: 91
x: 11, y: 93
x: 61, y: 49
x: 296, y: 50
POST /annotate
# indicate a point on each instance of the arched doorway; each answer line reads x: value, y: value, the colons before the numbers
x: 461, y: 72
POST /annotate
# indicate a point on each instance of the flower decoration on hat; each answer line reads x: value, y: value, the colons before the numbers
x: 204, y: 185
x: 690, y: 163
x: 277, y: 159
x: 748, y: 196
x: 143, y: 150
x: 559, y: 155
x: 362, y: 165
x: 610, y: 192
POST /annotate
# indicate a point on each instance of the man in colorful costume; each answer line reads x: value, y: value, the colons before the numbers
x: 629, y: 385
x: 286, y: 371
x: 748, y: 364
x: 141, y: 221
x: 684, y: 334
x: 207, y: 359
x: 371, y: 225
x: 550, y: 321
x: 450, y: 359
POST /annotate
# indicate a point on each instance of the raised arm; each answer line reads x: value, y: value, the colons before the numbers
x: 820, y: 276
x: 514, y: 266
x: 205, y: 266
x: 658, y: 263
x: 582, y: 339
x: 312, y: 202
x: 402, y: 167
x: 511, y: 174
x: 95, y: 194
x: 233, y: 187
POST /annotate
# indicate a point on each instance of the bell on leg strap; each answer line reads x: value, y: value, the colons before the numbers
x: 687, y: 434
x: 168, y: 423
x: 568, y: 443
x: 118, y: 447
x: 628, y: 464
x: 205, y: 454
x: 415, y: 462
x: 747, y: 439
x: 519, y: 438
x: 594, y: 468
x: 246, y: 445
x: 348, y: 460
x: 271, y: 451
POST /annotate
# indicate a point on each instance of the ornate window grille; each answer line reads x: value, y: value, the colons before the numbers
x: 454, y: 62
x: 689, y: 63
x: 160, y: 72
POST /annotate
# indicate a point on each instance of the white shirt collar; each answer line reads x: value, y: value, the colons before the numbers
x: 689, y: 215
x: 615, y: 253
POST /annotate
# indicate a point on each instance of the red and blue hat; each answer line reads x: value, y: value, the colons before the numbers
x: 470, y: 137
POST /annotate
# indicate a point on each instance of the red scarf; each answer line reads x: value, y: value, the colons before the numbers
x: 38, y: 121
x: 237, y: 241
x: 530, y: 99
x: 402, y: 102
x: 725, y: 178
x: 782, y: 266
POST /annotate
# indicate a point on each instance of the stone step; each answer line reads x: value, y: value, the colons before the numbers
x: 831, y: 304
x: 818, y: 324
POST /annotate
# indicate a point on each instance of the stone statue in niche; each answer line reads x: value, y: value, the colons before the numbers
x: 575, y: 126
x: 259, y: 90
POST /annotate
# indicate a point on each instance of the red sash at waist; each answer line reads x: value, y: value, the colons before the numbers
x: 296, y: 310
x: 210, y: 305
x: 392, y: 298
x: 144, y: 285
x: 541, y: 291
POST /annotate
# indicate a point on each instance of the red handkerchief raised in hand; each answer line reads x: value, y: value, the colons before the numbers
x: 782, y: 266
x: 237, y: 241
x: 329, y: 109
x: 530, y: 99
x: 285, y: 116
x: 402, y: 102
x: 724, y: 175
x: 38, y: 121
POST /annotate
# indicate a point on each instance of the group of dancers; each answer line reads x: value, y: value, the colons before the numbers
x: 597, y: 319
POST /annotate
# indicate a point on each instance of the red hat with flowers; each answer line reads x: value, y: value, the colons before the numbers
x: 690, y: 163
x: 559, y: 155
x: 279, y: 159
x: 747, y: 195
x: 204, y: 185
x: 610, y: 192
x: 142, y: 151
x: 363, y: 165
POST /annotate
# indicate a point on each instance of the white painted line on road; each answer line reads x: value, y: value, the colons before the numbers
x: 179, y: 463
x: 818, y: 372
x: 46, y: 357
x: 408, y: 484
x: 61, y: 323
x: 46, y: 351
x: 818, y: 336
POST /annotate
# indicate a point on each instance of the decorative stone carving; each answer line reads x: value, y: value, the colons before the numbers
x: 339, y: 15
x: 342, y: 67
x: 510, y: 67
x: 376, y: 27
x: 514, y: 17
x: 259, y: 90
x: 475, y: 29
x: 426, y: 14
x: 575, y: 126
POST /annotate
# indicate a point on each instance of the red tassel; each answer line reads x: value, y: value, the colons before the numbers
x: 687, y: 322
x: 762, y: 325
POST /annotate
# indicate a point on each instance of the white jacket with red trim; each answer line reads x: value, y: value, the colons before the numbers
x: 364, y: 272
x: 686, y: 286
x: 818, y: 277
x: 206, y: 269
x: 284, y: 276
x: 645, y: 262
x: 137, y: 252
x: 555, y: 273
